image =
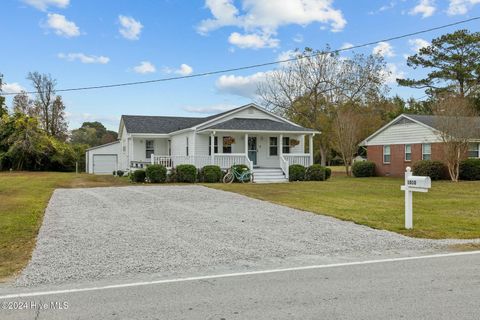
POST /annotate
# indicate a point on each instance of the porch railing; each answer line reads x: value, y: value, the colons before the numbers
x: 284, y: 165
x: 223, y: 160
x: 298, y: 158
x: 226, y: 160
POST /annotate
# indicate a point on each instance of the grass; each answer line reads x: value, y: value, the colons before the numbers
x: 23, y: 199
x: 448, y: 210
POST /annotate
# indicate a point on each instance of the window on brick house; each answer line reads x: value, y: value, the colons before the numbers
x: 386, y: 154
x: 408, y: 152
x: 474, y: 150
x: 426, y: 151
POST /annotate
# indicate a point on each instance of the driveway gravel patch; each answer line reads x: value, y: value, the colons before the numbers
x: 101, y: 233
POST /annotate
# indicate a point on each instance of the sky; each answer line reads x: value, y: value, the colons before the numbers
x: 86, y: 43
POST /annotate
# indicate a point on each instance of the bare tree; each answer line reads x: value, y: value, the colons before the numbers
x: 23, y: 104
x: 309, y: 89
x: 347, y: 132
x: 456, y: 122
x: 50, y: 107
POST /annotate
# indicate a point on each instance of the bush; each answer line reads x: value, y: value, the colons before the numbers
x: 120, y: 173
x: 328, y: 173
x: 296, y: 172
x: 316, y: 173
x: 470, y: 169
x: 186, y: 173
x: 361, y: 169
x: 156, y: 173
x: 436, y: 170
x: 211, y: 174
x: 138, y: 176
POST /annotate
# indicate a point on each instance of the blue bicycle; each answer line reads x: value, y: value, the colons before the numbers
x: 241, y: 174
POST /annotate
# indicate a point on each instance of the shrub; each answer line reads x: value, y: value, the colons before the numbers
x: 316, y: 172
x: 470, y: 169
x: 186, y: 173
x: 114, y: 172
x: 211, y: 174
x: 436, y: 170
x: 296, y: 172
x: 172, y: 175
x: 328, y: 173
x: 120, y: 173
x: 156, y: 173
x: 362, y: 169
x: 137, y: 176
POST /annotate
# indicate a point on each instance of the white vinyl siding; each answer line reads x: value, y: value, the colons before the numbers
x: 386, y: 154
x: 426, y: 151
x: 104, y: 156
x: 474, y: 150
x: 408, y: 152
x: 404, y: 133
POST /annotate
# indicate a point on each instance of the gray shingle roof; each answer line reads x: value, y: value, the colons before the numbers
x: 256, y: 124
x: 432, y: 121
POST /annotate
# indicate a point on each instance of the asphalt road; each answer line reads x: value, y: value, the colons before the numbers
x: 432, y: 288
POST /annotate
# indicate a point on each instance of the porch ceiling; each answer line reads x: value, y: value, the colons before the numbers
x: 257, y: 125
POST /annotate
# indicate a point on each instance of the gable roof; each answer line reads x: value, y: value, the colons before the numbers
x: 249, y: 124
x: 167, y: 124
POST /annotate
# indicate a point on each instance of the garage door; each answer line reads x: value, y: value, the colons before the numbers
x: 104, y: 163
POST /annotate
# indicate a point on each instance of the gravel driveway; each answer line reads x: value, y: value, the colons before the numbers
x: 103, y: 233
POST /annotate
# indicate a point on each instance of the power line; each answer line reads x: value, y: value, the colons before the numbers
x: 259, y: 65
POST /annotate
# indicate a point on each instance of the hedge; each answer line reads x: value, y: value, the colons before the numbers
x: 296, y: 172
x: 186, y: 173
x: 470, y: 169
x: 156, y: 173
x: 137, y: 176
x: 436, y: 170
x: 317, y: 172
x: 362, y: 169
x: 211, y: 174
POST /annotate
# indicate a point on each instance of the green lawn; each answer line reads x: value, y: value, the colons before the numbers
x: 23, y: 198
x: 448, y: 210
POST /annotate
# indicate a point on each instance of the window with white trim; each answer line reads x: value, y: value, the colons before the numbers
x: 273, y: 148
x: 186, y: 146
x: 426, y: 151
x: 227, y: 145
x: 386, y: 154
x: 149, y: 148
x: 215, y: 145
x: 286, y: 145
x: 408, y: 152
x: 474, y: 150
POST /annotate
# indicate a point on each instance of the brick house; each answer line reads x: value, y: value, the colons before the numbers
x: 406, y: 140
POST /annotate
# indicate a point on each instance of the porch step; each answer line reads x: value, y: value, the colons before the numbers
x: 268, y: 175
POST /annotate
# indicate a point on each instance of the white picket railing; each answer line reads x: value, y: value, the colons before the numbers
x: 284, y: 165
x: 223, y: 160
x: 299, y: 158
x: 226, y: 160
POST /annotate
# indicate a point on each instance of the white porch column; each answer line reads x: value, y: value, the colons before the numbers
x: 280, y: 145
x: 246, y: 144
x: 310, y: 147
x: 212, y: 147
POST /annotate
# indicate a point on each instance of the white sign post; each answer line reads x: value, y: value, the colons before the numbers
x: 413, y: 184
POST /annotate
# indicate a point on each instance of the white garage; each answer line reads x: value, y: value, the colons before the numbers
x: 103, y: 159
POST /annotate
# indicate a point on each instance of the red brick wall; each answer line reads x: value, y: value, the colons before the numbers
x: 397, y: 165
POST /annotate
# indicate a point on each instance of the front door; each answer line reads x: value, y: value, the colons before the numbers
x: 252, y: 149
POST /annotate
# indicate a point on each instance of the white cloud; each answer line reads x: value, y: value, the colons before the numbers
x: 210, y: 109
x: 44, y: 4
x: 457, y: 7
x: 384, y: 49
x: 385, y: 7
x: 62, y: 26
x: 298, y: 38
x: 83, y: 58
x: 417, y: 44
x: 252, y: 41
x: 13, y: 87
x: 424, y: 7
x: 183, y: 70
x: 264, y: 17
x: 392, y: 73
x: 145, y: 67
x: 244, y: 86
x: 130, y: 28
x: 346, y: 45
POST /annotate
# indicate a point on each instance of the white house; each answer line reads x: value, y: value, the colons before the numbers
x: 250, y: 135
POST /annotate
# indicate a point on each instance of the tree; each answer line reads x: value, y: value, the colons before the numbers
x: 3, y: 107
x: 50, y: 107
x: 456, y: 122
x: 309, y: 89
x: 348, y: 130
x: 23, y: 104
x: 92, y: 134
x: 454, y: 61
